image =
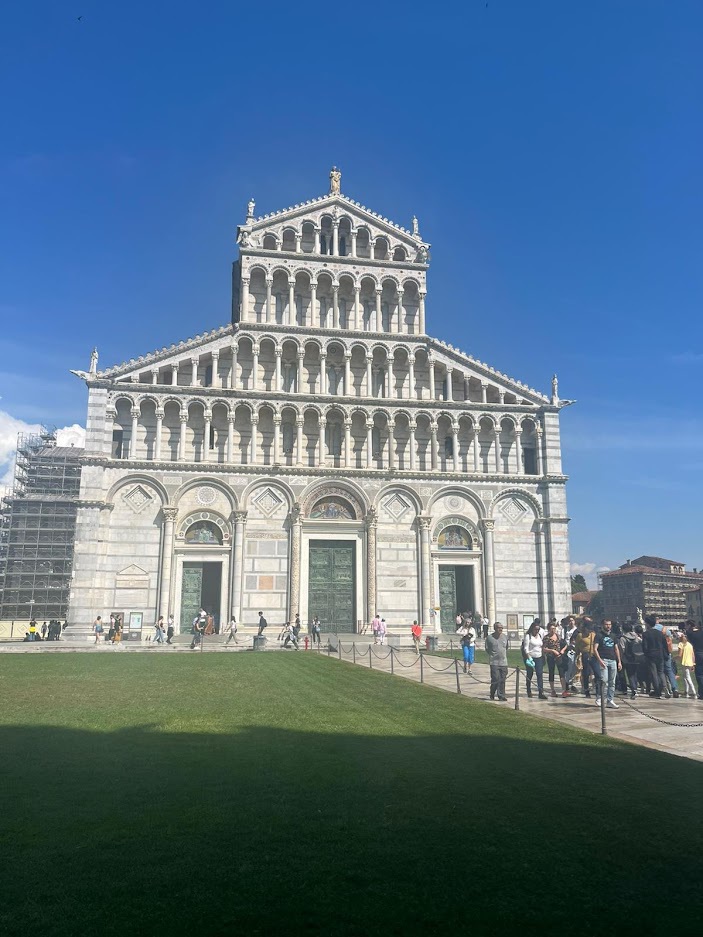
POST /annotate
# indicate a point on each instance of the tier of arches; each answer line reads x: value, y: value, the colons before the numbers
x: 344, y: 368
x: 336, y: 236
x: 362, y: 303
x: 240, y: 433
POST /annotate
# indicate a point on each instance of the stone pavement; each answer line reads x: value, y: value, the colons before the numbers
x: 626, y: 723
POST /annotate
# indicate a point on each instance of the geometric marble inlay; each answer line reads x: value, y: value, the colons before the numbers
x: 137, y: 498
x: 513, y: 510
x: 268, y: 501
x: 206, y: 495
x: 396, y: 506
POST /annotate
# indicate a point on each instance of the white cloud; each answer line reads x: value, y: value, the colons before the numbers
x: 11, y: 427
x: 589, y: 571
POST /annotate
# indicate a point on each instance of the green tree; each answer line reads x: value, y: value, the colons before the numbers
x: 578, y: 584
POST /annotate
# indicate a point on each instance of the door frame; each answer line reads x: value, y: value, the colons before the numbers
x: 355, y: 534
x: 201, y: 556
x: 446, y: 558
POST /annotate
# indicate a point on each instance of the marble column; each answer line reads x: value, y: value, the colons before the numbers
x: 314, y: 319
x: 321, y: 459
x: 426, y: 618
x: 391, y: 445
x: 159, y: 432
x: 298, y: 239
x: 174, y: 375
x: 411, y: 377
x: 323, y: 372
x: 299, y: 386
x: 496, y: 447
x: 170, y: 514
x: 269, y: 283
x: 110, y: 417
x: 279, y: 354
x: 489, y: 567
x: 538, y: 450
x: 347, y: 443
x: 371, y: 524
x: 182, y: 439
x: 379, y: 313
x: 400, y: 329
x: 357, y: 291
x: 240, y: 519
x: 133, y: 435
x: 255, y: 367
x: 193, y: 372
x: 413, y: 451
x: 347, y: 374
x: 296, y: 533
x: 230, y: 437
x: 291, y: 302
x: 369, y: 375
x: 216, y: 369
x: 449, y: 372
x: 335, y: 306
x: 422, y: 313
x: 476, y: 446
x: 369, y: 445
x: 155, y: 376
x: 335, y: 239
x: 433, y: 391
x: 205, y: 455
x: 353, y: 243
x: 299, y: 441
x: 518, y: 451
x: 433, y: 445
x: 276, y: 438
x: 245, y: 299
x: 317, y: 240
x: 254, y: 454
x: 484, y: 392
x: 233, y: 372
x: 455, y: 447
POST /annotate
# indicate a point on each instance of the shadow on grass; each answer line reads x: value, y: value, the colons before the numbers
x: 270, y: 830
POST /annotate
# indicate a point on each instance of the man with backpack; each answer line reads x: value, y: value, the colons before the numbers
x: 632, y: 656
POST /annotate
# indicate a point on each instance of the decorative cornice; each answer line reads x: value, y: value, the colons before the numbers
x: 177, y: 349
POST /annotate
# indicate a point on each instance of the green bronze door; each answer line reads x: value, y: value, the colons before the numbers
x: 191, y: 591
x: 331, y: 584
x: 447, y: 597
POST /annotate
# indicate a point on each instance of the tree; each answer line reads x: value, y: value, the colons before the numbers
x: 578, y: 584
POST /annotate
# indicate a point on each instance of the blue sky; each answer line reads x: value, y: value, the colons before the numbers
x: 551, y: 151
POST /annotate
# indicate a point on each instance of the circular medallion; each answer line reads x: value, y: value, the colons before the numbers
x: 454, y: 503
x: 206, y: 495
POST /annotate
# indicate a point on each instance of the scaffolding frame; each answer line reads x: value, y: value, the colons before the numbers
x: 37, y: 529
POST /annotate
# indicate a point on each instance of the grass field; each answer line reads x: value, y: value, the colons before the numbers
x: 262, y: 793
x: 481, y: 656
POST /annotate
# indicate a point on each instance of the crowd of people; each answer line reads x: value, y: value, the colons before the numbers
x: 49, y: 631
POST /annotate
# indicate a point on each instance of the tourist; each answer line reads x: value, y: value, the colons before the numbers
x: 497, y: 648
x: 98, y: 629
x: 159, y: 631
x: 655, y: 649
x: 485, y: 626
x: 290, y: 637
x: 669, y: 666
x: 607, y: 653
x: 585, y: 640
x: 687, y: 661
x: 117, y: 634
x: 198, y: 630
x: 459, y: 620
x: 32, y: 630
x: 382, y: 631
x: 632, y: 656
x: 534, y: 660
x: 43, y: 632
x: 375, y: 625
x: 231, y: 631
x: 468, y: 646
x: 316, y: 629
x: 568, y: 626
x: 416, y: 632
x: 694, y: 633
x: 644, y: 674
x: 171, y: 630
x: 553, y: 648
x: 263, y: 624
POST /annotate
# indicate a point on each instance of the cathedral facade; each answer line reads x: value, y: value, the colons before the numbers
x: 321, y: 454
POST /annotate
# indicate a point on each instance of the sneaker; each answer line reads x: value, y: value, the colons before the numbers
x: 598, y: 701
x: 676, y: 694
x: 667, y: 696
x: 611, y: 705
x: 565, y: 694
x: 542, y: 696
x: 553, y: 693
x: 503, y: 699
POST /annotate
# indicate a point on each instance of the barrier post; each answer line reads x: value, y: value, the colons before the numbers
x: 392, y: 670
x: 422, y: 669
x: 603, y: 727
x: 354, y: 652
x: 456, y: 670
x: 339, y: 650
x: 329, y: 649
x: 517, y: 688
x: 370, y: 659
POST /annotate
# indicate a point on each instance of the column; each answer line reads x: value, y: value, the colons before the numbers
x: 291, y: 302
x: 133, y: 436
x: 299, y: 440
x: 174, y: 375
x: 299, y: 378
x: 317, y: 240
x: 433, y: 444
x: 422, y: 313
x: 357, y: 292
x: 240, y: 518
x: 426, y: 618
x: 455, y: 447
x: 159, y: 430
x: 233, y: 373
x: 230, y: 437
x: 269, y: 281
x: 430, y: 365
x: 170, y: 514
x: 314, y: 320
x: 193, y: 372
x: 371, y: 522
x: 475, y: 445
x: 379, y: 313
x: 335, y: 238
x: 205, y: 457
x: 216, y: 369
x: 321, y: 459
x: 518, y: 451
x: 489, y: 567
x: 369, y: 445
x: 296, y: 531
x: 254, y: 440
x: 501, y: 396
x: 279, y: 354
x: 245, y: 299
x: 255, y: 367
x: 411, y: 377
x: 400, y: 325
x: 298, y: 239
x: 369, y: 375
x: 347, y: 443
x: 182, y: 439
x: 391, y: 445
x: 496, y: 446
x: 154, y: 375
x: 276, y: 438
x: 110, y: 417
x: 353, y: 243
x: 538, y: 450
x: 449, y: 372
x: 484, y: 392
x: 413, y: 453
x: 335, y: 306
x: 347, y: 374
x: 323, y: 372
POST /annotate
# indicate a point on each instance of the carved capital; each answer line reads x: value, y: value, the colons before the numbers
x: 183, y: 417
x: 170, y: 514
x: 240, y: 517
x: 159, y: 413
x: 488, y: 523
x: 134, y: 412
x: 278, y: 351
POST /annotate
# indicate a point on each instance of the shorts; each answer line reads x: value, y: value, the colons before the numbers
x: 469, y: 653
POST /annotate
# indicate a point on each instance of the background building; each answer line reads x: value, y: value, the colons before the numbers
x: 37, y: 529
x: 321, y: 454
x: 651, y: 583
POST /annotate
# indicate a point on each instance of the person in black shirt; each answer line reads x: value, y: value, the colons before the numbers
x: 262, y: 623
x: 607, y: 654
x: 694, y: 632
x: 655, y: 648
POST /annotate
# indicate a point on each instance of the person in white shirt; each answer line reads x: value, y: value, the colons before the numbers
x: 232, y: 631
x: 534, y: 660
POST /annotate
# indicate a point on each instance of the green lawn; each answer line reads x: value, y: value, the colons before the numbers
x: 288, y: 793
x: 514, y: 655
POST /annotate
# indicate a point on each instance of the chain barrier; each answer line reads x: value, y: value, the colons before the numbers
x: 378, y: 656
x: 450, y: 666
x: 664, y: 722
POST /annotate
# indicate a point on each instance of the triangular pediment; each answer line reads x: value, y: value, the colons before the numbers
x: 132, y: 571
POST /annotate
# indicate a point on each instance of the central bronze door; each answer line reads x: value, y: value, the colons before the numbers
x: 332, y: 584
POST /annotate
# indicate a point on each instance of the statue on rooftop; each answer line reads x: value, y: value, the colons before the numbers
x: 335, y: 181
x: 416, y: 227
x: 555, y: 389
x: 94, y: 361
x: 251, y: 204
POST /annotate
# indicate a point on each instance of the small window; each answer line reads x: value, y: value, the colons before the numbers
x: 529, y: 461
x: 117, y: 443
x: 212, y: 437
x: 207, y: 381
x: 342, y: 247
x: 323, y: 243
x: 449, y: 446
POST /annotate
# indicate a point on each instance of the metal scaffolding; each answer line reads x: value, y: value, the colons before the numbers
x: 37, y: 529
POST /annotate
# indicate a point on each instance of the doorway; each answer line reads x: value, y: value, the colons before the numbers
x: 200, y: 588
x: 456, y: 594
x: 332, y: 584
